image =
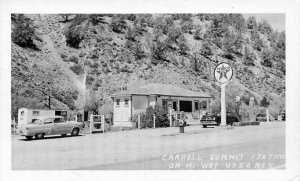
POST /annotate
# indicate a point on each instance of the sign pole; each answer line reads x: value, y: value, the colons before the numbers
x: 91, y: 123
x: 223, y: 73
x: 223, y: 105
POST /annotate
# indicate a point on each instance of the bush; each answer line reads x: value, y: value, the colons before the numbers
x: 174, y: 34
x: 198, y: 33
x: 183, y: 46
x: 146, y: 118
x: 158, y: 51
x: 206, y: 49
x: 265, y: 28
x: 264, y: 102
x: 74, y: 35
x: 96, y: 18
x: 73, y: 59
x: 23, y: 31
x: 77, y: 69
x: 75, y: 32
x: 267, y: 58
x: 118, y: 24
x: 251, y: 23
x: 138, y: 50
x: 187, y: 27
x: 249, y: 56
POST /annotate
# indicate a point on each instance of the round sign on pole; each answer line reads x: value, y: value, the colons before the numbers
x: 223, y: 73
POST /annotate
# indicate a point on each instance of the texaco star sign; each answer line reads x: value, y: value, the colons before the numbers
x: 223, y: 72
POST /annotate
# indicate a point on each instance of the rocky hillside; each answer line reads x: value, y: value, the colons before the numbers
x: 80, y: 60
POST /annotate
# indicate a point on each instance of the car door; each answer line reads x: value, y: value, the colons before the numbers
x: 60, y: 126
x: 47, y: 126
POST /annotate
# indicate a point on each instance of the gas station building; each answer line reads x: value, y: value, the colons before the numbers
x: 128, y: 103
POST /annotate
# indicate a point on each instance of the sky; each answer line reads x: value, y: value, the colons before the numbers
x: 276, y: 20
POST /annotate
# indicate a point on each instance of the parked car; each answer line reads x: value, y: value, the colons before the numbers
x: 50, y: 125
x: 261, y: 117
x: 214, y: 119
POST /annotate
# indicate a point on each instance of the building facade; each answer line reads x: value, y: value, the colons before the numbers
x: 128, y: 103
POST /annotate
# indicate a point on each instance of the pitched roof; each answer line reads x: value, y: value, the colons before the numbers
x: 161, y: 89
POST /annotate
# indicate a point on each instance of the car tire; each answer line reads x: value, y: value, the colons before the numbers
x: 63, y: 135
x: 75, y: 132
x: 39, y: 136
x: 29, y: 137
x: 204, y: 126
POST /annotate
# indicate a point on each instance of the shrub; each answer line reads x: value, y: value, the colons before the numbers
x: 138, y: 50
x: 249, y: 56
x: 265, y: 28
x: 118, y: 24
x: 74, y: 35
x: 96, y: 18
x: 198, y: 33
x: 187, y: 26
x: 267, y: 58
x: 251, y: 23
x: 75, y: 32
x: 232, y: 42
x: 183, y: 46
x: 206, y: 49
x: 158, y: 51
x: 73, y: 59
x: 89, y: 80
x: 174, y: 34
x: 23, y: 31
x: 146, y: 118
x: 77, y: 69
x: 264, y: 102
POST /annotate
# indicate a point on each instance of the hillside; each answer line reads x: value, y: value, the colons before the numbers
x: 80, y: 60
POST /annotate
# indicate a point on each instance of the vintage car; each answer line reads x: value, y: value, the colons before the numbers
x: 50, y: 125
x: 214, y: 119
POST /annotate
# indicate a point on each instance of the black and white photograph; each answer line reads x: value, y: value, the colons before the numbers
x: 180, y: 91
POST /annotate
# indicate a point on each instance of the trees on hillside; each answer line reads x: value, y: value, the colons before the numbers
x: 251, y: 23
x: 248, y: 56
x: 75, y: 33
x: 183, y: 45
x: 23, y: 31
x: 232, y: 43
x: 118, y: 24
x: 206, y: 49
x: 267, y: 57
x: 265, y: 28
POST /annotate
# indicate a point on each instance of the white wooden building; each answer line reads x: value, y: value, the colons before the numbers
x: 128, y: 103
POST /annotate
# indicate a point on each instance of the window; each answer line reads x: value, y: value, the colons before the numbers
x: 126, y: 100
x: 48, y: 121
x: 165, y: 104
x: 117, y: 102
x: 35, y: 113
x: 204, y: 104
x: 196, y: 105
x: 58, y: 120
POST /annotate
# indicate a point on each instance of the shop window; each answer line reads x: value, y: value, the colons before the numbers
x: 117, y: 102
x: 126, y: 100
